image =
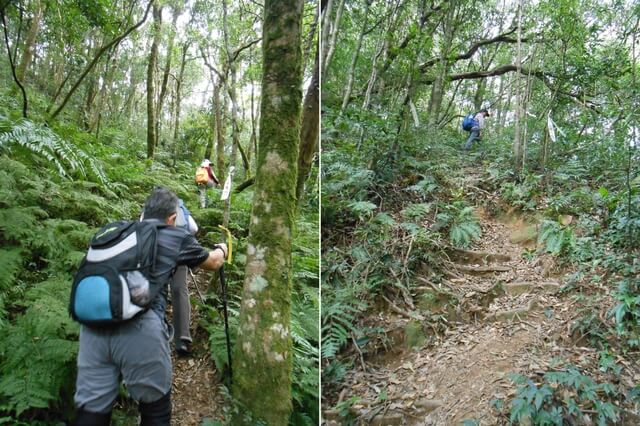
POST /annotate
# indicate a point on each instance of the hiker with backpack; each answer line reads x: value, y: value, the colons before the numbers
x: 205, y: 178
x: 474, y: 123
x: 119, y: 295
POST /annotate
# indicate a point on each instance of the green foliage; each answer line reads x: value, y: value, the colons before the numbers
x: 627, y: 311
x: 563, y: 394
x: 37, y: 359
x: 64, y: 157
x: 463, y: 225
x: 557, y: 239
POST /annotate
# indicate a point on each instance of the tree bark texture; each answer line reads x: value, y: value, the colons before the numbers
x: 30, y: 40
x: 178, y: 101
x: 151, y: 73
x: 333, y: 38
x: 309, y: 129
x: 165, y: 75
x: 354, y: 59
x: 263, y: 352
x: 517, y: 142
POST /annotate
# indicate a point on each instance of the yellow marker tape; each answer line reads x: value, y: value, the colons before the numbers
x: 229, y: 242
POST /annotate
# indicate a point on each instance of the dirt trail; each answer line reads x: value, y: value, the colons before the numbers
x: 508, y: 318
x: 197, y: 392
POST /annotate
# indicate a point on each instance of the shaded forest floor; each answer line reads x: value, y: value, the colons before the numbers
x: 502, y: 308
x: 197, y: 392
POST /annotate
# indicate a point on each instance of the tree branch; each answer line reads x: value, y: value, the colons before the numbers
x: 244, y: 185
x: 95, y: 60
x: 502, y: 38
x: 239, y: 50
x: 25, y: 103
x: 211, y: 67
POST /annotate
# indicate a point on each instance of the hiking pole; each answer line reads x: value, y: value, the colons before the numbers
x: 223, y: 285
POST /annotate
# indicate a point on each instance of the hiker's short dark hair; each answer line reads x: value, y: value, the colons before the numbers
x: 486, y: 112
x: 161, y: 204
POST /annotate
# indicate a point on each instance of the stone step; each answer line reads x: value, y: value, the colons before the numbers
x: 479, y: 270
x: 520, y: 287
x: 511, y: 314
x: 472, y: 256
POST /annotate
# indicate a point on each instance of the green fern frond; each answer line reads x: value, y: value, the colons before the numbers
x: 11, y: 261
x: 38, y: 351
x: 44, y: 142
x: 20, y: 224
x: 416, y: 211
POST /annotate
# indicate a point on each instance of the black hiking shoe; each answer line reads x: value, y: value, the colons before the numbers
x: 183, y: 348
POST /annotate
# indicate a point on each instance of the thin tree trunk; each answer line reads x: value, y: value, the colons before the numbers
x: 231, y: 91
x: 151, y: 73
x: 438, y: 87
x: 309, y: 129
x: 517, y: 142
x: 29, y: 41
x: 309, y: 42
x: 253, y: 139
x: 220, y: 133
x: 330, y: 48
x: 165, y: 76
x: 354, y: 60
x: 263, y: 351
x: 178, y: 101
x: 25, y: 102
x: 326, y: 7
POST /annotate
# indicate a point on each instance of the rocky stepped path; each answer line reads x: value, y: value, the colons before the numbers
x: 503, y: 314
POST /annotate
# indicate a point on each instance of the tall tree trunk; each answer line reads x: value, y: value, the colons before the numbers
x: 478, y: 97
x: 231, y: 91
x: 517, y: 141
x: 220, y: 133
x: 354, y: 60
x: 253, y: 139
x: 165, y: 75
x: 178, y: 101
x: 309, y: 129
x: 308, y: 45
x: 263, y: 352
x: 332, y: 36
x: 151, y: 73
x: 30, y: 40
x: 438, y: 87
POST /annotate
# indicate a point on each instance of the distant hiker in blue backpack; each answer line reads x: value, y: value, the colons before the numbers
x: 115, y: 347
x: 473, y: 123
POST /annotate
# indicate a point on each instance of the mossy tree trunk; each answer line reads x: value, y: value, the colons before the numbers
x: 263, y: 352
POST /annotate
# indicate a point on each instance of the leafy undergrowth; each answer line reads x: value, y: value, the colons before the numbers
x: 391, y: 217
x: 57, y: 186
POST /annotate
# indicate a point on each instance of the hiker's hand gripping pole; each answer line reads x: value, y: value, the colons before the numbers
x: 223, y: 286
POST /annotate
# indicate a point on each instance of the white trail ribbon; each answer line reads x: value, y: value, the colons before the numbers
x: 227, y: 185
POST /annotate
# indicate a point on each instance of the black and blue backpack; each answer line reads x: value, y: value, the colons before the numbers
x: 469, y: 122
x: 115, y: 281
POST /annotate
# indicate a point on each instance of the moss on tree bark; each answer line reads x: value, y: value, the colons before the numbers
x: 263, y: 352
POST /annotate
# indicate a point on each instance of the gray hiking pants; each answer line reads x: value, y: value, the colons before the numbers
x: 137, y: 350
x: 473, y: 136
x: 181, y: 305
x: 202, y: 189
